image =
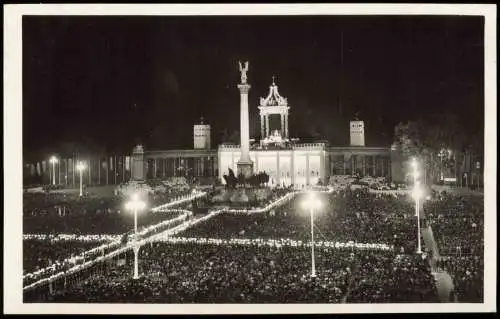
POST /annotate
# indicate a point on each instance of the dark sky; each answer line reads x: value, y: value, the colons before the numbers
x: 114, y: 81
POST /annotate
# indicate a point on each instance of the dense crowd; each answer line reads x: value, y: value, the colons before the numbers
x: 55, y: 214
x: 468, y: 276
x: 389, y: 279
x: 38, y: 254
x: 458, y: 223
x: 358, y: 216
x: 458, y: 226
x: 189, y: 273
x: 71, y: 214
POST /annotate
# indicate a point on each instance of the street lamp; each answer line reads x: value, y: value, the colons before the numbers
x: 135, y: 204
x: 415, y: 173
x: 53, y: 160
x: 311, y: 203
x: 417, y: 194
x: 80, y: 167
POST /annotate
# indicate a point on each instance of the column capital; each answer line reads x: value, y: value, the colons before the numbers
x: 244, y: 88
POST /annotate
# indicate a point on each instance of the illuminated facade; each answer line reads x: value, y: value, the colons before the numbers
x: 286, y: 160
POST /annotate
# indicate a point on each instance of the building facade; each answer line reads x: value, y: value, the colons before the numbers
x: 286, y: 160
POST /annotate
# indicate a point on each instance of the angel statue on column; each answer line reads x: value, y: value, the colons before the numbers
x: 243, y: 72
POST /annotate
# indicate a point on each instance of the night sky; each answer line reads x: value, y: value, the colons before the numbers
x: 109, y: 82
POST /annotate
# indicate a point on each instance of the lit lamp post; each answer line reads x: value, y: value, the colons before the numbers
x: 311, y: 203
x: 80, y: 167
x: 417, y: 194
x: 135, y: 204
x: 416, y: 174
x: 53, y: 160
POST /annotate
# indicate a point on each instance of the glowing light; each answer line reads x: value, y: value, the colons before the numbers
x: 414, y: 163
x: 312, y: 202
x: 135, y: 203
x: 417, y: 193
x: 81, y: 166
x: 53, y: 160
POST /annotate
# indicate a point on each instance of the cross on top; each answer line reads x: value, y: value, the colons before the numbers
x: 273, y: 80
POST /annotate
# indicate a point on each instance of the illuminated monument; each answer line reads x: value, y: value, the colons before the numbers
x: 286, y: 160
x: 245, y: 164
x: 283, y: 159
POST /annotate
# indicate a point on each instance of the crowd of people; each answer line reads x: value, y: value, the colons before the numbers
x: 38, y: 254
x: 468, y: 276
x: 191, y: 273
x: 458, y: 223
x: 346, y: 215
x: 458, y: 226
x: 392, y: 278
x: 57, y: 214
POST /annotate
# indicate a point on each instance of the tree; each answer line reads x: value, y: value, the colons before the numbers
x: 427, y: 140
x: 418, y: 139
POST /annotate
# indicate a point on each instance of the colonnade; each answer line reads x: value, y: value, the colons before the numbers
x: 264, y: 125
x: 362, y: 164
x: 200, y: 166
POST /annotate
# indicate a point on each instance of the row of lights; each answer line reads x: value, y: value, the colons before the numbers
x: 311, y: 203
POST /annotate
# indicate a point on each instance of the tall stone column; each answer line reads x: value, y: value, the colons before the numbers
x: 374, y: 162
x: 286, y: 125
x: 202, y: 166
x: 262, y: 127
x: 308, y: 171
x: 245, y: 165
x: 364, y: 165
x: 164, y: 162
x: 344, y: 164
x: 382, y: 162
x: 155, y: 167
x: 282, y: 128
x: 174, y: 167
x: 267, y: 125
x: 322, y: 170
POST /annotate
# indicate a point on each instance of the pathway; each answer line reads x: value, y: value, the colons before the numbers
x: 444, y: 282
